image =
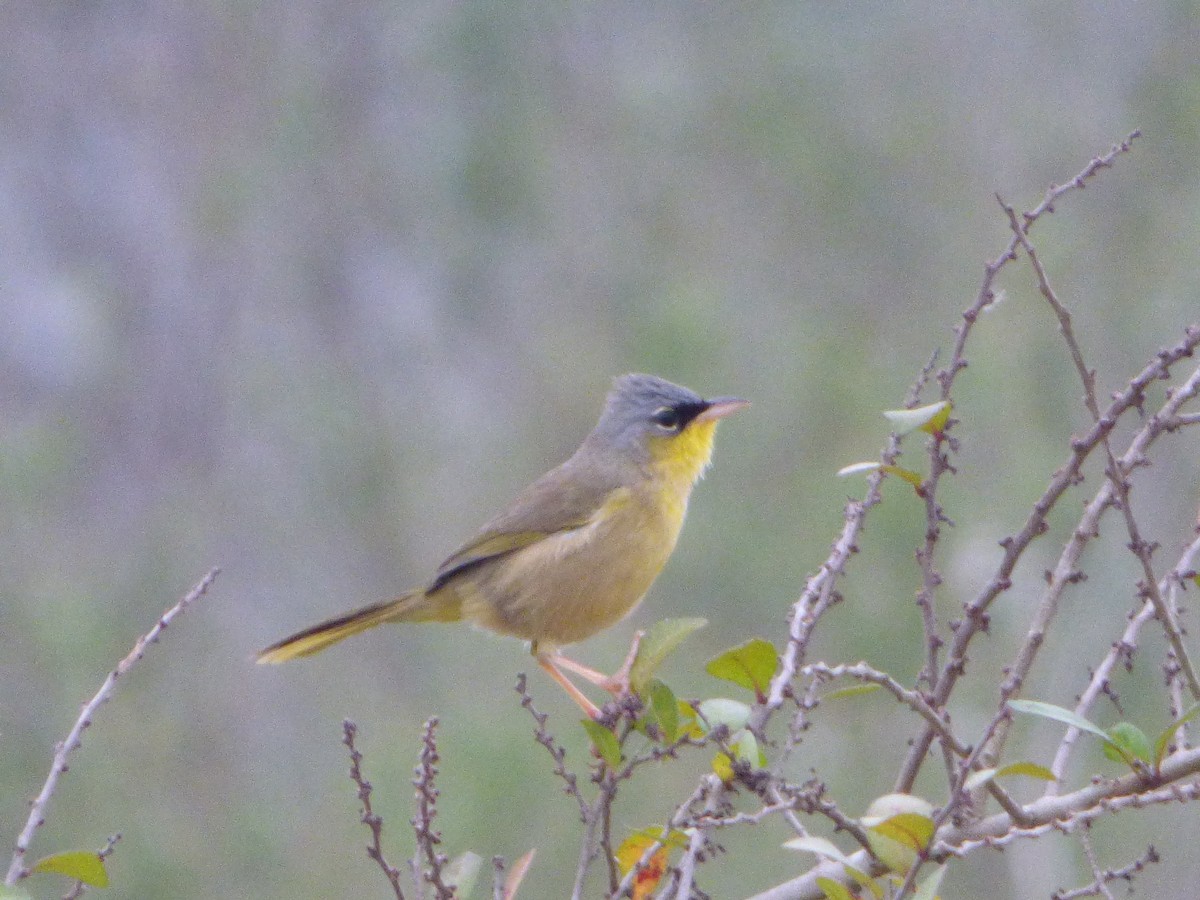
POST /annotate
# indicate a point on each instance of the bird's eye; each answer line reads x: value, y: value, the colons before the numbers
x: 666, y: 418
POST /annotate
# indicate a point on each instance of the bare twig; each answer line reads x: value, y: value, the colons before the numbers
x: 1126, y: 873
x: 1121, y: 650
x: 369, y: 818
x: 74, y: 738
x: 912, y: 699
x: 556, y: 750
x: 976, y: 618
x: 428, y: 838
x: 1014, y: 546
x: 1066, y: 814
x: 704, y: 790
x: 1089, y: 851
x: 1117, y: 471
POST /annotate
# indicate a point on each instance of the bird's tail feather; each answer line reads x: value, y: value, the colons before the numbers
x: 414, y: 607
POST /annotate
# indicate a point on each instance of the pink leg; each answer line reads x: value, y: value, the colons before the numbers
x: 546, y: 661
x: 616, y: 684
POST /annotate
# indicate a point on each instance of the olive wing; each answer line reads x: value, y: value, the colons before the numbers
x: 563, y: 499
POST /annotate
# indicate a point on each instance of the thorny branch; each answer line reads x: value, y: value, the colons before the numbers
x: 1125, y: 873
x: 369, y: 817
x: 74, y: 738
x: 963, y: 824
x: 428, y: 838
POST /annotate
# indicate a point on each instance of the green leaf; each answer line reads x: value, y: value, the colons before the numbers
x: 751, y: 665
x: 733, y: 714
x: 818, y: 845
x: 665, y: 709
x: 722, y: 766
x: 929, y: 886
x: 82, y: 865
x: 689, y: 721
x: 855, y: 690
x: 896, y: 804
x: 12, y: 893
x: 858, y: 468
x: 913, y: 830
x: 908, y: 475
x: 1160, y: 746
x: 660, y: 641
x: 604, y: 741
x: 1127, y: 742
x: 1057, y: 714
x: 640, y: 841
x: 834, y: 890
x: 899, y: 827
x: 864, y: 880
x: 931, y: 418
x: 1028, y: 769
x: 462, y: 872
x: 745, y: 746
x: 978, y: 779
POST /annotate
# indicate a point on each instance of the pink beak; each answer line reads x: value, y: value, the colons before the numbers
x: 720, y: 407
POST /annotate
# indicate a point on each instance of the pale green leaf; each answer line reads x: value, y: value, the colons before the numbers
x: 889, y: 805
x: 818, y: 845
x: 82, y: 865
x: 978, y: 779
x: 751, y: 665
x: 665, y: 709
x: 898, y: 827
x: 857, y: 469
x: 1028, y: 769
x: 1057, y: 714
x: 745, y: 746
x: 864, y: 880
x: 834, y: 890
x: 1160, y: 746
x: 908, y: 475
x: 929, y: 418
x: 733, y: 714
x: 1127, y: 742
x: 462, y: 872
x: 722, y: 766
x: 911, y: 829
x: 660, y: 641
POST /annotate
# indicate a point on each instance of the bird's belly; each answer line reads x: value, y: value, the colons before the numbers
x: 572, y: 585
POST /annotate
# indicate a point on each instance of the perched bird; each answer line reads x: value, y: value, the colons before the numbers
x: 577, y: 550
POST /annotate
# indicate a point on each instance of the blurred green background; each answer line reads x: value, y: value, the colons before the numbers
x: 309, y: 289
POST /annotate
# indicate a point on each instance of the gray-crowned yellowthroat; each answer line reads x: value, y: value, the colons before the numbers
x: 577, y: 550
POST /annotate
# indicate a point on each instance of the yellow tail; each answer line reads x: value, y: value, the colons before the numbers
x: 414, y: 607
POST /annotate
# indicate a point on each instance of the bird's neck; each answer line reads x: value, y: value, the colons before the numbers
x: 680, y: 461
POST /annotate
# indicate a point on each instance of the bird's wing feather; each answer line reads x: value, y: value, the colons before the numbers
x: 559, y: 501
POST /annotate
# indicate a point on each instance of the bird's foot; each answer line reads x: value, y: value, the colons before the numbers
x: 617, y: 684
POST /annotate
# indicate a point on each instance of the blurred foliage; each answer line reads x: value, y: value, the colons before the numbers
x: 309, y: 289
